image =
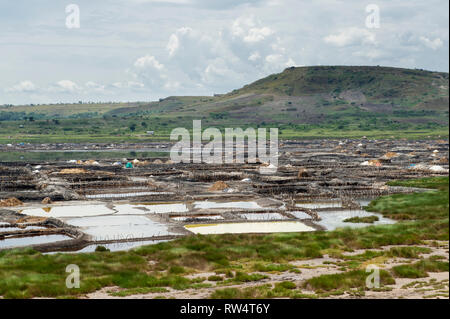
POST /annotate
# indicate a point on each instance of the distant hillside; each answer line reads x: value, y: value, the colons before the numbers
x: 302, y: 101
x: 310, y: 94
x: 365, y: 83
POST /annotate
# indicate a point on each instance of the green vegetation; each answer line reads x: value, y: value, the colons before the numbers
x: 101, y: 249
x: 407, y: 252
x: 27, y: 273
x: 429, y: 182
x: 346, y: 280
x: 428, y: 205
x: 215, y: 278
x: 421, y: 268
x: 367, y: 219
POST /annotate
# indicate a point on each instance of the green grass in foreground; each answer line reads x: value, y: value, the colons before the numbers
x: 346, y: 280
x: 27, y: 273
x: 428, y: 205
x: 421, y: 268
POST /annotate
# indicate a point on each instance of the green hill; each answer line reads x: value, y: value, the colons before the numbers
x: 317, y: 101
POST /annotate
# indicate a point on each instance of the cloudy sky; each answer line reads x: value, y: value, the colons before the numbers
x: 141, y: 50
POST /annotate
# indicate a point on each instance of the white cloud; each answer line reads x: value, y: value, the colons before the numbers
x: 24, y: 86
x: 432, y: 44
x: 258, y: 34
x: 173, y: 44
x: 64, y: 86
x: 247, y: 29
x: 237, y: 54
x: 148, y: 61
x: 254, y: 56
x: 351, y: 36
x: 90, y: 85
x: 128, y: 84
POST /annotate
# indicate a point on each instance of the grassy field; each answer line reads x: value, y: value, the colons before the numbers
x: 133, y: 130
x: 235, y: 258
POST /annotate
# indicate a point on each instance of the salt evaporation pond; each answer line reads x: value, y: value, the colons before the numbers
x: 242, y: 228
x: 99, y: 210
x: 300, y: 215
x: 319, y: 205
x: 119, y: 227
x: 237, y: 204
x: 31, y: 240
x: 69, y: 211
x: 142, y: 209
x: 262, y: 216
x: 124, y: 195
x: 9, y: 229
x: 335, y: 219
x: 198, y: 217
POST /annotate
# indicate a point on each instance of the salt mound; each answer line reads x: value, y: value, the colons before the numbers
x: 218, y: 186
x: 73, y: 171
x: 10, y: 202
x: 390, y: 155
x: 437, y: 168
x: 47, y: 200
x: 302, y: 172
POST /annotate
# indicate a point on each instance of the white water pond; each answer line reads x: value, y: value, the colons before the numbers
x: 9, y: 229
x: 198, y: 217
x: 262, y: 216
x: 335, y: 219
x: 300, y: 215
x: 125, y: 195
x: 31, y: 240
x: 142, y: 209
x: 319, y: 205
x: 68, y: 211
x: 237, y: 204
x: 241, y: 228
x: 119, y: 227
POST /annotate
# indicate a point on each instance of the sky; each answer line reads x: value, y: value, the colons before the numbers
x: 143, y: 50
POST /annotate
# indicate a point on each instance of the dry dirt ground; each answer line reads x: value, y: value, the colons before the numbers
x: 436, y: 285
